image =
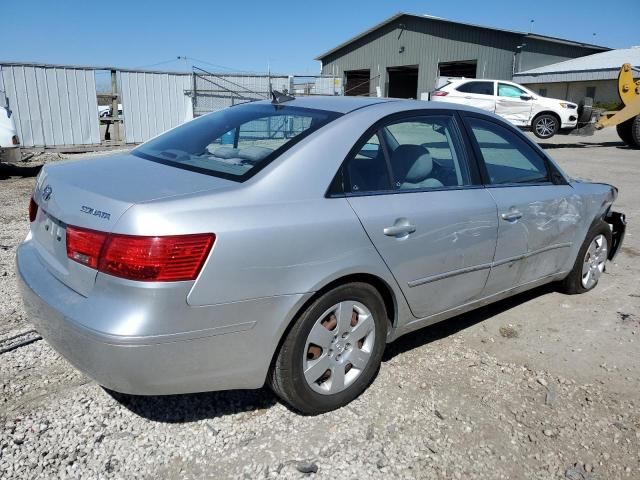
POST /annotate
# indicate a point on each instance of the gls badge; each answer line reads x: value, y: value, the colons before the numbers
x: 95, y: 213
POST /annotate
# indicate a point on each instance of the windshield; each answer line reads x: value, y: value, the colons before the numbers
x: 236, y: 142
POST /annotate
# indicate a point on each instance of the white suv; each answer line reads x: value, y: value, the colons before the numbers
x: 522, y: 107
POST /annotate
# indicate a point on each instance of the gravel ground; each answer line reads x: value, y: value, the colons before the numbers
x: 540, y: 386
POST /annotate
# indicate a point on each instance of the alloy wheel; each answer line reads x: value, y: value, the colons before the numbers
x: 546, y: 126
x: 594, y: 261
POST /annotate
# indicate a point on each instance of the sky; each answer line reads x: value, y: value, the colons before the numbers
x: 255, y: 35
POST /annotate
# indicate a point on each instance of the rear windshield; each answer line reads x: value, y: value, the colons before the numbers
x: 236, y: 142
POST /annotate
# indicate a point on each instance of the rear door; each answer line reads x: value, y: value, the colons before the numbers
x: 538, y: 214
x: 476, y: 93
x: 513, y: 104
x: 419, y: 201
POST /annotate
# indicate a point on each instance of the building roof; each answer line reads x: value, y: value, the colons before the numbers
x: 438, y: 19
x: 599, y: 66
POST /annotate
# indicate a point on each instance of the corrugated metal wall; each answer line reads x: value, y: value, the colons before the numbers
x: 52, y: 105
x: 153, y: 103
x: 425, y: 43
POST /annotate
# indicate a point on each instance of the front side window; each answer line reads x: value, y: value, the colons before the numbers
x: 506, y: 90
x: 507, y: 157
x: 479, y: 88
x: 235, y: 142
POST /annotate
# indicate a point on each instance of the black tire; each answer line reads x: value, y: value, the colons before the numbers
x: 572, y: 284
x: 585, y: 110
x: 545, y: 119
x: 629, y: 132
x: 287, y: 379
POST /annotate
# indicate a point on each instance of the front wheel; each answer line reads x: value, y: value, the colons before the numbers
x: 545, y: 126
x: 333, y: 350
x: 591, y: 260
x: 629, y: 131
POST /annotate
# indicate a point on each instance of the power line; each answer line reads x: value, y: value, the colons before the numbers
x: 159, y: 63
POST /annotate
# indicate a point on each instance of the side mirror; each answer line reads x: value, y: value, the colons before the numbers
x: 526, y: 97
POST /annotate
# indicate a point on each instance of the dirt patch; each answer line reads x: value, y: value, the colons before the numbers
x: 507, y: 331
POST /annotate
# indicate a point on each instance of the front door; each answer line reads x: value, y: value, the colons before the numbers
x: 537, y: 211
x: 434, y: 228
x: 513, y: 104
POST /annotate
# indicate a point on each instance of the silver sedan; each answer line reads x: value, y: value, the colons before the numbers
x: 288, y: 242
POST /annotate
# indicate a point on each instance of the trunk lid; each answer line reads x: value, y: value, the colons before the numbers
x: 94, y: 194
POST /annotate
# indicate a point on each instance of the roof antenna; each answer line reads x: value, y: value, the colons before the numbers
x: 279, y: 97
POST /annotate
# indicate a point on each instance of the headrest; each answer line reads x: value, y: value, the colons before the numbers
x: 411, y: 163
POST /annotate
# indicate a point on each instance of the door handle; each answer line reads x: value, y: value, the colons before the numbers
x: 401, y: 228
x: 511, y: 216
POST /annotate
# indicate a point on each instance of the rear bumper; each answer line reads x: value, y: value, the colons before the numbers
x: 618, y: 222
x: 235, y: 352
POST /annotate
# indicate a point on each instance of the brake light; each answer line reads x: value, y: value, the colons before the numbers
x: 156, y: 259
x: 439, y: 93
x: 146, y: 259
x: 33, y: 210
x: 84, y: 246
x: 15, y: 140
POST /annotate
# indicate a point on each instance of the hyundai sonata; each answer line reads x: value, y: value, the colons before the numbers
x: 288, y: 242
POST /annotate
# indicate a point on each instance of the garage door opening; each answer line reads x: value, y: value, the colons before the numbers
x: 403, y: 82
x: 465, y: 69
x: 357, y: 83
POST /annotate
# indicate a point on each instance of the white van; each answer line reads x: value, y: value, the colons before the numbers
x: 9, y: 141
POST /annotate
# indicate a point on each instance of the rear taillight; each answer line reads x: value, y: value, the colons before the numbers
x: 146, y: 259
x: 33, y: 210
x: 439, y: 93
x: 15, y: 140
x: 84, y: 246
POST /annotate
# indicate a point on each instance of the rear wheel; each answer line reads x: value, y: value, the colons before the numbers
x: 629, y: 131
x: 591, y: 260
x: 545, y: 125
x: 333, y: 351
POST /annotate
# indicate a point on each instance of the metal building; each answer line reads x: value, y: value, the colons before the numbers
x: 594, y: 76
x: 406, y: 55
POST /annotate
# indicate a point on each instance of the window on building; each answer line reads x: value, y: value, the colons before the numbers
x: 591, y: 92
x: 542, y: 92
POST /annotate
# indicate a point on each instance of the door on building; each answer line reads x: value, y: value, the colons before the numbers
x: 403, y: 82
x: 466, y: 69
x: 357, y: 83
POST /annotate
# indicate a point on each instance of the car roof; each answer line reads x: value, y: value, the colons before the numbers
x: 346, y: 105
x: 339, y: 104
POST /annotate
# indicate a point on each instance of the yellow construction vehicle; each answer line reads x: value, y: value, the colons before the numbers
x: 626, y: 120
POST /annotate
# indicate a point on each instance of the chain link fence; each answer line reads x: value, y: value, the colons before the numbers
x: 215, y: 91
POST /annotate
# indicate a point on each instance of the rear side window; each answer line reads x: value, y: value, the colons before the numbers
x: 420, y: 153
x: 480, y: 88
x: 367, y: 170
x: 507, y: 157
x: 236, y: 142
